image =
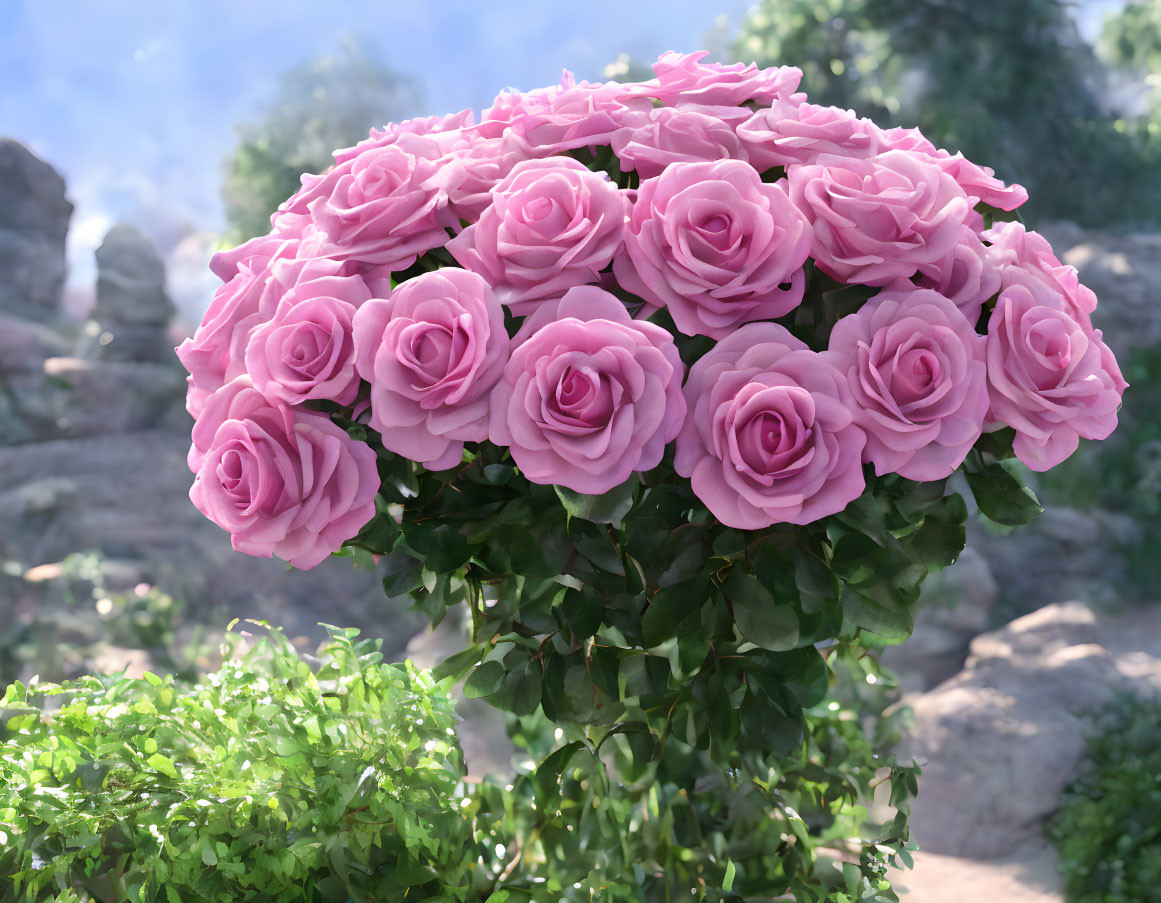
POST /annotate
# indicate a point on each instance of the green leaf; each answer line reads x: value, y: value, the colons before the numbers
x: 670, y: 612
x: 456, y: 665
x: 608, y: 508
x: 163, y: 764
x: 484, y: 680
x: 1000, y: 495
x: 760, y: 619
x: 442, y: 547
x: 546, y: 779
x: 728, y: 879
x: 401, y: 574
x: 582, y: 610
x: 881, y: 609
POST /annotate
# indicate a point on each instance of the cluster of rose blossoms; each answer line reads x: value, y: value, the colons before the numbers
x: 349, y: 299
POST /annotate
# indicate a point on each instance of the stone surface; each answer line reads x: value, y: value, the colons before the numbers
x: 132, y: 314
x: 1000, y: 740
x: 1124, y: 270
x: 125, y: 496
x: 34, y: 218
x: 1063, y: 554
x: 130, y: 281
x: 1025, y: 875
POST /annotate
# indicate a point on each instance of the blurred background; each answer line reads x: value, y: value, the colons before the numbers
x: 136, y: 138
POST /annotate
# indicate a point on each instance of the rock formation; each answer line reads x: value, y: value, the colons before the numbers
x: 999, y: 741
x: 34, y: 217
x: 131, y: 318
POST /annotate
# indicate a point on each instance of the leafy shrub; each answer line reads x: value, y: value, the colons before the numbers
x: 1108, y: 829
x: 267, y: 781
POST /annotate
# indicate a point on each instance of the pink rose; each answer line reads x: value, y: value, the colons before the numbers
x: 283, y: 481
x: 981, y: 182
x: 786, y: 133
x: 485, y: 163
x: 716, y: 246
x: 879, y: 219
x: 684, y: 78
x: 552, y: 224
x: 307, y: 351
x: 1017, y: 251
x: 432, y: 352
x: 968, y: 275
x: 568, y: 117
x: 915, y: 367
x: 769, y: 438
x: 900, y: 138
x: 589, y: 396
x: 1050, y: 376
x: 421, y: 125
x: 215, y: 354
x: 674, y: 135
x: 977, y: 181
x: 253, y: 255
x: 381, y: 208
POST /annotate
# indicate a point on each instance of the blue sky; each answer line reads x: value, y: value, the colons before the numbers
x: 135, y: 101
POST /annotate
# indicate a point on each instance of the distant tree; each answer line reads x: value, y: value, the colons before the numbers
x: 1132, y: 37
x: 326, y: 103
x: 1130, y: 43
x: 1011, y: 84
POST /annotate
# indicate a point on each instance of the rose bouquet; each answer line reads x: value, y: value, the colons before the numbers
x: 664, y: 380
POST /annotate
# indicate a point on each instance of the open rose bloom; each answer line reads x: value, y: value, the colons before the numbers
x: 601, y: 284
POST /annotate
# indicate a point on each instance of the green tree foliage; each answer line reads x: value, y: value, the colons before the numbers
x: 1108, y: 829
x: 1132, y: 37
x: 1131, y: 44
x: 1012, y: 85
x: 325, y: 103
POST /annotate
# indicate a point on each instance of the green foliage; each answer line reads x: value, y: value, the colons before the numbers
x: 1009, y: 84
x: 268, y: 781
x: 325, y: 103
x: 1108, y: 829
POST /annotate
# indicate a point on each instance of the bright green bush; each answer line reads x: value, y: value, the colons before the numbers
x: 268, y: 781
x: 1108, y: 829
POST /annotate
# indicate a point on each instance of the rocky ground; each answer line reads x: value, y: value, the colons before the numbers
x: 999, y: 741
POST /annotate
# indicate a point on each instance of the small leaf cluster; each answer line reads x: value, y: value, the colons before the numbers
x: 270, y: 780
x: 1107, y: 827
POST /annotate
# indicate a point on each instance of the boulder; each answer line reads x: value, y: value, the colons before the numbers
x: 1124, y: 270
x: 34, y: 217
x: 131, y: 317
x: 1065, y: 553
x: 999, y: 741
